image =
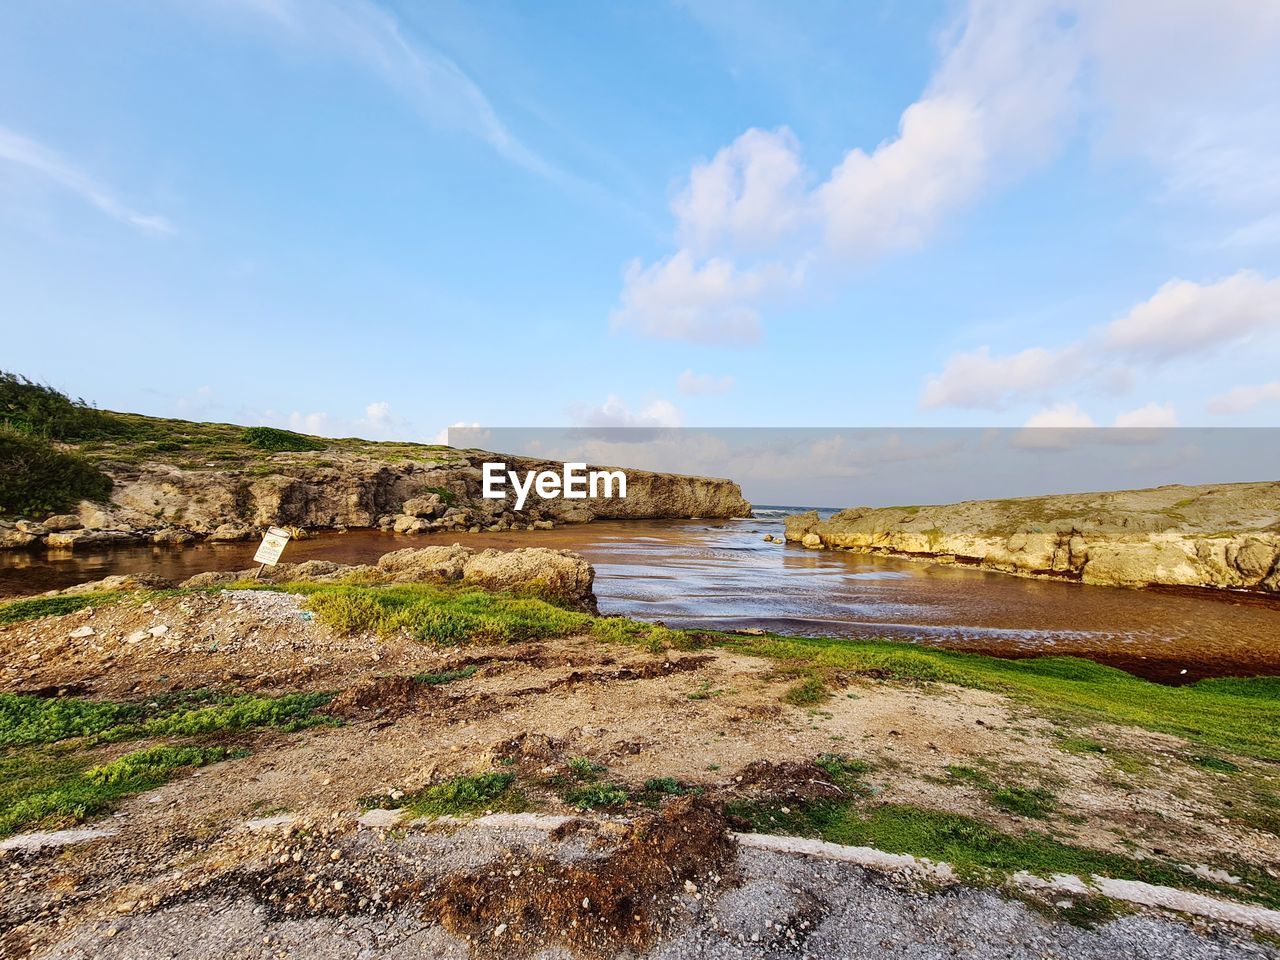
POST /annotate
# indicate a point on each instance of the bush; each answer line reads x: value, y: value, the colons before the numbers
x: 279, y: 441
x: 37, y: 478
x: 40, y: 410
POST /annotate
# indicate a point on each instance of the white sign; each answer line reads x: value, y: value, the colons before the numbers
x: 273, y: 544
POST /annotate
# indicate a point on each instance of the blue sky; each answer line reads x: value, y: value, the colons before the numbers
x: 385, y: 218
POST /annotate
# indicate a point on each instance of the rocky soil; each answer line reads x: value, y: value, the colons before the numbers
x: 1222, y: 536
x: 271, y: 855
x: 435, y: 489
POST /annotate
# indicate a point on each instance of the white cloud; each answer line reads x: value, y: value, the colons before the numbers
x: 1190, y: 89
x: 749, y: 196
x: 702, y: 384
x: 1149, y: 416
x: 978, y: 380
x: 1183, y: 317
x: 1061, y: 415
x: 678, y: 299
x: 1244, y: 398
x: 615, y: 412
x: 48, y: 165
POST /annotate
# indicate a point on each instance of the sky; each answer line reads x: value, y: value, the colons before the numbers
x: 384, y: 218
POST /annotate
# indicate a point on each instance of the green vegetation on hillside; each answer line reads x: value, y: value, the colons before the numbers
x: 37, y: 478
x: 41, y: 411
x: 275, y: 440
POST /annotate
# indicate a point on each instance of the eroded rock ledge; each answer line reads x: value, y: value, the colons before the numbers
x: 1224, y: 536
x: 166, y: 504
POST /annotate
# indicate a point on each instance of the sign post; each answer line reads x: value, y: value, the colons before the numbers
x: 273, y: 543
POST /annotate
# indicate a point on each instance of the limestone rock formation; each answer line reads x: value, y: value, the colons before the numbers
x: 1216, y: 535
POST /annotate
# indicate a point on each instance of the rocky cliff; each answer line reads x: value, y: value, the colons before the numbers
x: 413, y: 490
x: 1218, y: 535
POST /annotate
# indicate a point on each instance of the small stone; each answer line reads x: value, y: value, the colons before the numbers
x: 690, y: 887
x: 335, y: 855
x: 500, y: 929
x: 79, y: 633
x: 338, y: 884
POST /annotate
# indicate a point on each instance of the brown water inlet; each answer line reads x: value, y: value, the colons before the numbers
x: 723, y: 574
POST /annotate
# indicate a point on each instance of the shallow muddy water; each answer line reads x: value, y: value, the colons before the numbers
x: 722, y: 574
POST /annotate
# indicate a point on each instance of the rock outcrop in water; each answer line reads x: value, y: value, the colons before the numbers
x: 439, y: 490
x: 1217, y: 535
x: 558, y: 575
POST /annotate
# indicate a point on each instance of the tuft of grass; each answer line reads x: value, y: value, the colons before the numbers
x: 466, y: 795
x: 845, y: 771
x: 1034, y: 802
x: 275, y: 440
x: 57, y: 788
x: 443, y: 615
x: 806, y: 692
x: 584, y: 768
x: 1216, y: 764
x: 446, y: 676
x: 598, y: 795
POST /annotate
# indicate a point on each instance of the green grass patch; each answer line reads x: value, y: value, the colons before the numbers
x: 1036, y: 802
x: 466, y: 795
x: 56, y: 788
x: 651, y: 636
x: 977, y: 850
x: 442, y: 615
x: 598, y: 796
x: 446, y: 676
x: 806, y: 692
x: 1240, y: 716
x: 1216, y: 764
x: 28, y: 720
x: 33, y: 608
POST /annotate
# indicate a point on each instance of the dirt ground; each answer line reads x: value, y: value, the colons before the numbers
x: 181, y: 863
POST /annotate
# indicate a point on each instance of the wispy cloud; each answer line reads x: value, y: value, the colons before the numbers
x: 47, y: 164
x: 364, y: 33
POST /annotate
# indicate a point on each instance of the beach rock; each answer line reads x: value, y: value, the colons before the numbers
x: 426, y: 564
x: 230, y: 533
x: 172, y: 536
x: 558, y: 574
x: 62, y: 521
x: 812, y: 541
x: 410, y: 524
x: 426, y: 507
x: 78, y: 539
x: 12, y: 538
